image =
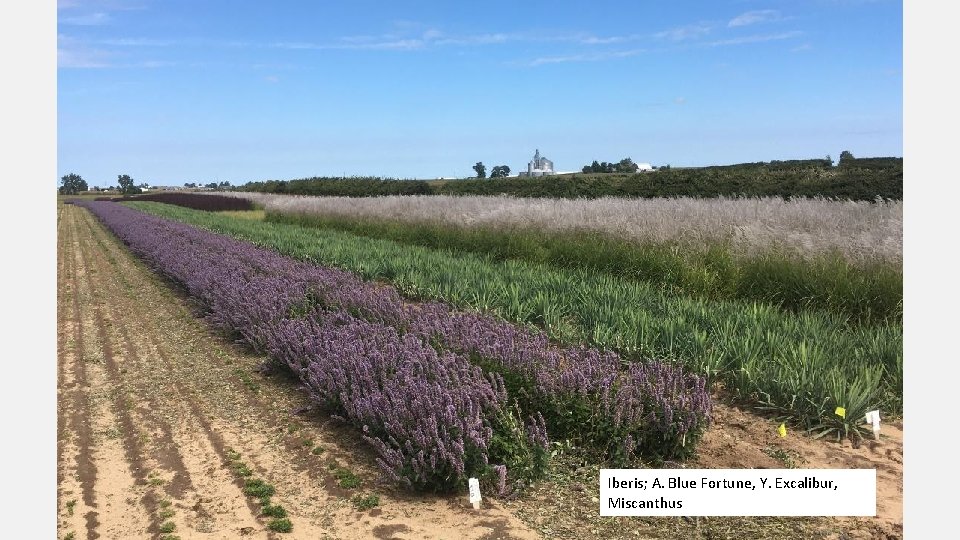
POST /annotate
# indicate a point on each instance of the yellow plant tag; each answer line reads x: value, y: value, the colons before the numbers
x: 782, y: 430
x: 841, y: 412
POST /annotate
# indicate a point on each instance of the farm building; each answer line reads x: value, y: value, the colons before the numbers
x: 538, y: 166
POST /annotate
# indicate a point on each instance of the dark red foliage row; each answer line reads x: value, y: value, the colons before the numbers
x: 197, y: 201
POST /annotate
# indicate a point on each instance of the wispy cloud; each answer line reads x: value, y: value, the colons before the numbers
x: 594, y: 40
x: 136, y: 42
x: 102, y: 5
x: 801, y: 48
x: 72, y: 53
x: 754, y: 39
x: 75, y: 58
x: 433, y: 37
x: 89, y: 19
x: 93, y: 12
x: 586, y: 57
x: 400, y: 44
x: 76, y: 54
x: 755, y: 17
x: 479, y: 39
x: 682, y: 33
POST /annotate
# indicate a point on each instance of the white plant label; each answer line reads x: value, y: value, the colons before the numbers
x: 873, y: 418
x: 474, y: 485
x: 738, y: 492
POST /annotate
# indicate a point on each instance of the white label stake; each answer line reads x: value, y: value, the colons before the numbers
x: 873, y: 418
x: 474, y: 485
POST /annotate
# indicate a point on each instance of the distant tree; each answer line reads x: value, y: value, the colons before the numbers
x: 211, y: 185
x: 71, y: 184
x: 500, y: 171
x: 126, y: 185
x: 845, y: 158
x: 189, y: 184
x: 626, y: 165
x: 224, y: 184
x: 829, y: 160
x: 481, y: 169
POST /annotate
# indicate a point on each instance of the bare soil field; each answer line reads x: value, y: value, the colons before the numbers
x: 154, y: 408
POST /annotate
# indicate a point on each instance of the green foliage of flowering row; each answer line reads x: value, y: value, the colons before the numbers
x: 798, y: 365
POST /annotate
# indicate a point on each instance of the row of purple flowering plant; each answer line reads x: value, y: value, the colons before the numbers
x: 438, y: 393
x: 434, y: 419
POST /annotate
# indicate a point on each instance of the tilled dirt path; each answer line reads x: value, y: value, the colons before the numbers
x: 153, y: 411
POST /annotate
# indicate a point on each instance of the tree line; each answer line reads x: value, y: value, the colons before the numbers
x: 73, y: 184
x: 853, y: 178
x: 499, y: 171
x: 625, y: 165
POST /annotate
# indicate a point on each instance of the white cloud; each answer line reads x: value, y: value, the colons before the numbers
x: 755, y: 17
x: 71, y: 53
x: 150, y: 64
x: 589, y: 57
x: 135, y: 42
x: 682, y: 33
x: 401, y: 44
x: 90, y: 19
x: 69, y: 59
x: 436, y: 38
x: 804, y: 47
x: 593, y: 40
x: 479, y: 39
x: 272, y: 79
x: 754, y: 39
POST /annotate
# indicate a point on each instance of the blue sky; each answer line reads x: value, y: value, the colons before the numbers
x: 198, y: 91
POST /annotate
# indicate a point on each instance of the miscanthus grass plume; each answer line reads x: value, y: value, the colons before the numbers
x: 860, y: 231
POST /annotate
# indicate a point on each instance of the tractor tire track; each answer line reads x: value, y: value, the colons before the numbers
x: 171, y: 452
x: 74, y: 437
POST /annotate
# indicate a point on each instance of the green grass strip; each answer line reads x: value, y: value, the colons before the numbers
x: 799, y: 365
x: 865, y: 293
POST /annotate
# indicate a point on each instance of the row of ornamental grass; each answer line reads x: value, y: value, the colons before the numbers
x: 864, y: 292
